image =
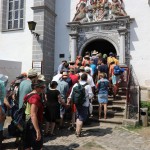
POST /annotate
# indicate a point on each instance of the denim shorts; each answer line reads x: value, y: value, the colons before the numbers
x: 82, y: 113
x: 115, y: 79
x: 102, y: 98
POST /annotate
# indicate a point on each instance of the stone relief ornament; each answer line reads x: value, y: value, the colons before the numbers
x: 117, y: 8
x: 80, y: 11
x: 98, y: 10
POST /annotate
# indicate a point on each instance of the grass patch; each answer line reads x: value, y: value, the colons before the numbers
x: 146, y: 104
x: 133, y: 128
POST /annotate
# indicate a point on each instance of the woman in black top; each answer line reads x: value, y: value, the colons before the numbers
x: 52, y: 110
x: 103, y: 68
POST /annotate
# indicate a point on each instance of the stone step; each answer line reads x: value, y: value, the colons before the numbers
x: 108, y: 120
x: 122, y: 88
x: 110, y: 114
x: 111, y: 106
x: 117, y: 102
x: 118, y: 97
x: 122, y: 92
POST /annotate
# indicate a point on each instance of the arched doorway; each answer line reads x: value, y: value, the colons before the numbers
x: 101, y: 45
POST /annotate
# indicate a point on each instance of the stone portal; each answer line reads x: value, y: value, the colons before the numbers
x: 114, y: 33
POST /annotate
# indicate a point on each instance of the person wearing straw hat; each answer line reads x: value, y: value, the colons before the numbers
x: 94, y: 52
x: 86, y: 60
x: 25, y: 85
x: 63, y: 88
x: 95, y: 57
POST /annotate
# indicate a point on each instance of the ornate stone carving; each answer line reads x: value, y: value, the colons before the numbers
x: 98, y: 10
x: 74, y: 30
x: 114, y: 31
x: 110, y: 27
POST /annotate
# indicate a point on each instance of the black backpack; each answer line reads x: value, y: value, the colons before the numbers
x: 18, y: 123
x: 78, y: 96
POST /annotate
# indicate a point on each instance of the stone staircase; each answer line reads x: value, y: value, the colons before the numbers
x: 115, y: 108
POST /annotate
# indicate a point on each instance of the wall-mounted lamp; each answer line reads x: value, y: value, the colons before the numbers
x: 32, y: 25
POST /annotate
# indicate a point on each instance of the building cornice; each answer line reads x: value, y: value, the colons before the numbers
x: 45, y: 8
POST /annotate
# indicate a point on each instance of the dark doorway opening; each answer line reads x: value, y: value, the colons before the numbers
x: 101, y: 46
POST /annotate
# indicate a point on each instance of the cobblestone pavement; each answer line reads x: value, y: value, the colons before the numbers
x: 95, y: 137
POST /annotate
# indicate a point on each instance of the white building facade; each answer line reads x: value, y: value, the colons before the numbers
x: 58, y: 40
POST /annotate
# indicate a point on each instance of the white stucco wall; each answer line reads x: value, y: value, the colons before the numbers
x: 17, y: 45
x: 62, y: 11
x: 140, y: 39
x: 140, y: 35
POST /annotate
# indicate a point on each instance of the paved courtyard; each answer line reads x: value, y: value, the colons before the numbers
x: 95, y: 137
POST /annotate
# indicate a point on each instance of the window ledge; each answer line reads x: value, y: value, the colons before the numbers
x: 9, y: 30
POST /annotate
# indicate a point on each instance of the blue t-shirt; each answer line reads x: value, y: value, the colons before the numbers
x: 93, y: 66
x: 103, y: 86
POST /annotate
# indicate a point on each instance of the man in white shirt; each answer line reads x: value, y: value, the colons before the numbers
x: 58, y: 76
x: 89, y: 78
x: 82, y: 111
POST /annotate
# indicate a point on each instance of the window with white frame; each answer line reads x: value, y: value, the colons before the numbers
x: 15, y: 14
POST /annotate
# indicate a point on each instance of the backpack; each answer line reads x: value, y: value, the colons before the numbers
x: 78, y: 96
x: 18, y: 123
x: 117, y: 70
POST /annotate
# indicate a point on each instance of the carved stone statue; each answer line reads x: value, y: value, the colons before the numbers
x: 81, y: 12
x: 98, y: 10
x: 117, y: 9
x: 90, y: 13
x: 103, y: 7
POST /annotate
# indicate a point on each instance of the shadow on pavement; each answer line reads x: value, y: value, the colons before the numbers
x: 97, y: 132
x: 72, y: 146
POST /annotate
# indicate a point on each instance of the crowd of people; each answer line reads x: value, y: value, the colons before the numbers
x: 52, y: 102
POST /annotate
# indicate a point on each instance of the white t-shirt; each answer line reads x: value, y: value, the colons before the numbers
x: 90, y: 80
x: 57, y: 77
x: 88, y: 91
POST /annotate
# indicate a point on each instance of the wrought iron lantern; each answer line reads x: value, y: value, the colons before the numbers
x: 32, y: 25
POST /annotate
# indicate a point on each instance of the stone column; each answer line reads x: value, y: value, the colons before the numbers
x: 122, y: 33
x: 43, y: 49
x: 74, y: 47
x: 74, y: 36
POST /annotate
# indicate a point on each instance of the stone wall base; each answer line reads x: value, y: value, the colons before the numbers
x: 130, y: 122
